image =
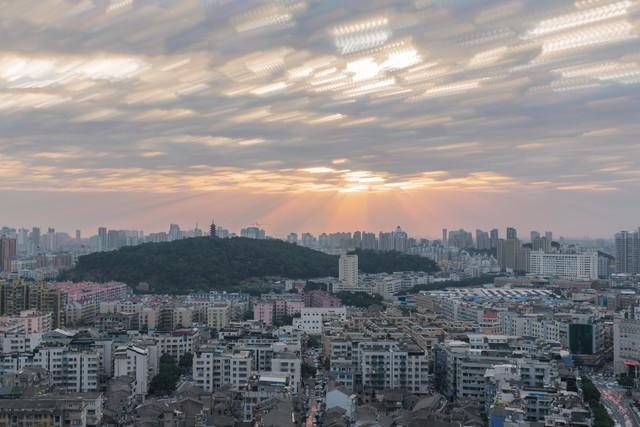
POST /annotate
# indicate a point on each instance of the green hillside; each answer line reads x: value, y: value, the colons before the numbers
x: 224, y: 264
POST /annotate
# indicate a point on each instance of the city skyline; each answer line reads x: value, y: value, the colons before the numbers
x: 325, y: 115
x: 524, y: 234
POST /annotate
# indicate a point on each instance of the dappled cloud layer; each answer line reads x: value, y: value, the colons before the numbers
x: 300, y: 96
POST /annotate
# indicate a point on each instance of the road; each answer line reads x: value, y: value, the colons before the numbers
x: 315, y: 390
x: 614, y: 399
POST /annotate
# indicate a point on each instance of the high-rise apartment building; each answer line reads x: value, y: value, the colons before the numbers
x: 483, y: 240
x: 35, y: 238
x: 494, y: 236
x: 569, y: 266
x: 400, y: 240
x: 512, y: 256
x: 512, y: 233
x: 460, y: 239
x: 102, y: 239
x: 52, y: 241
x: 626, y: 346
x: 253, y: 232
x: 348, y: 270
x: 18, y: 296
x: 628, y: 252
x: 174, y: 232
x: 8, y: 251
x: 541, y: 244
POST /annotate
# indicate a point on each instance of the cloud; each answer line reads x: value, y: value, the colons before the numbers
x: 299, y: 96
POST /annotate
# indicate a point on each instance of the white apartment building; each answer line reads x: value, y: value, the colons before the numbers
x: 311, y: 318
x: 348, y: 270
x: 394, y: 366
x: 388, y: 287
x: 177, y: 345
x: 218, y: 315
x: 626, y: 345
x: 530, y: 325
x: 289, y: 364
x: 133, y: 361
x: 212, y: 369
x: 569, y: 266
x: 183, y: 316
x: 27, y: 322
x: 147, y: 316
x: 19, y: 343
x: 73, y: 371
x: 378, y: 365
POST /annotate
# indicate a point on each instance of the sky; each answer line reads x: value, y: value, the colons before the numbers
x: 321, y: 115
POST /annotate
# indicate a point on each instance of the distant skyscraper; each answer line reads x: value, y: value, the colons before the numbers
x: 400, y: 240
x: 78, y: 235
x: 102, y: 239
x: 35, y: 238
x: 253, y: 233
x: 174, y: 233
x: 460, y: 239
x: 534, y: 235
x: 548, y: 235
x: 348, y: 270
x: 369, y: 241
x: 512, y: 233
x: 292, y: 238
x: 8, y: 251
x: 628, y: 252
x: 357, y: 239
x: 445, y: 237
x: 212, y: 229
x: 113, y: 240
x: 308, y: 240
x: 495, y: 236
x: 541, y: 244
x: 512, y: 256
x: 482, y: 240
x: 52, y: 243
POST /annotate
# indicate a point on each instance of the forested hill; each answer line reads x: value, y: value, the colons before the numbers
x: 222, y: 264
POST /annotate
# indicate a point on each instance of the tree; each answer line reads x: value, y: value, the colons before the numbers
x: 307, y: 370
x: 359, y: 299
x: 371, y: 261
x: 202, y: 263
x: 314, y: 341
x: 579, y: 363
x: 589, y: 390
x: 165, y: 382
x: 591, y: 395
x: 283, y: 321
x: 313, y: 286
x: 464, y: 283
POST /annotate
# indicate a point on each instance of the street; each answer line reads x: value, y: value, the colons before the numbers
x: 614, y: 399
x: 315, y: 390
